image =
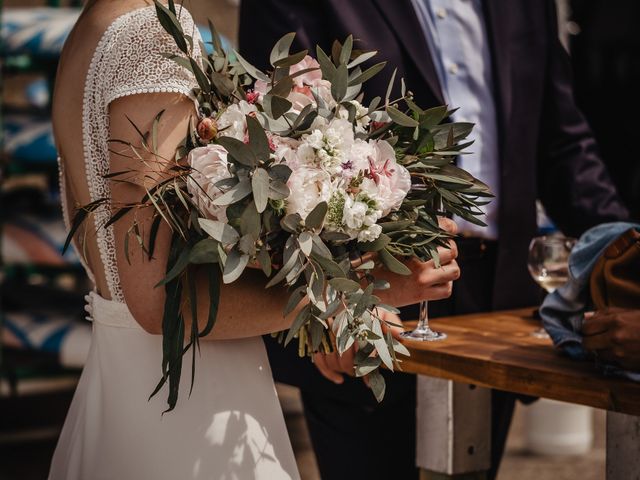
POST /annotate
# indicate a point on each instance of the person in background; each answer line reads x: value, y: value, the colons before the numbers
x: 502, y: 65
x: 605, y: 54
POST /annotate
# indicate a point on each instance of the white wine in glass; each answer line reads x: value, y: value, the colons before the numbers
x: 549, y: 264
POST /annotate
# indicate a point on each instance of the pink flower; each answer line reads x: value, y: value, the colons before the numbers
x: 207, y: 129
x: 304, y: 86
x: 387, y: 181
x: 311, y: 78
x: 376, y: 125
x: 260, y: 88
x: 253, y: 96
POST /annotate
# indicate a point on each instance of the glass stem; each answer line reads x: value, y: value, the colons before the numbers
x: 423, y: 319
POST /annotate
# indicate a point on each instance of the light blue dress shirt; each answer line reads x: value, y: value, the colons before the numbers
x: 457, y: 36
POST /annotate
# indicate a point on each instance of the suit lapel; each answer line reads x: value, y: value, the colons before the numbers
x: 403, y: 21
x: 497, y: 15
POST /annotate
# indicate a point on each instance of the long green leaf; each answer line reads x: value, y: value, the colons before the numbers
x: 260, y: 186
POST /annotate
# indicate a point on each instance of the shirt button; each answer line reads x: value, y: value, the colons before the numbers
x: 453, y: 69
x: 441, y: 12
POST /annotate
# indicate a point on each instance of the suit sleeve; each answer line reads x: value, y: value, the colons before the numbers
x: 574, y: 184
x: 263, y: 22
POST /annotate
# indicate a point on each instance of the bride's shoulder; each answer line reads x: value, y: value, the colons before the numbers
x: 135, y: 26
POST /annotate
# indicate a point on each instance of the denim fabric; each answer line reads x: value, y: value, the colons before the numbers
x: 563, y: 310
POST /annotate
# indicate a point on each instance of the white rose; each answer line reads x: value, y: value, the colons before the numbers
x: 309, y: 186
x: 209, y: 166
x: 233, y: 123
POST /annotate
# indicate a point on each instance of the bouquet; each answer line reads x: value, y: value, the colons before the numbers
x: 289, y: 171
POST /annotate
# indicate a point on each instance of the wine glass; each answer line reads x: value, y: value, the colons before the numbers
x: 422, y: 332
x: 549, y: 264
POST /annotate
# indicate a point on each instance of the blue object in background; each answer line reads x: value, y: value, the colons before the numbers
x: 205, y: 33
x: 38, y: 32
x: 37, y: 93
x: 29, y: 138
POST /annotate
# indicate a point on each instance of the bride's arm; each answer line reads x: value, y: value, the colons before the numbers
x: 246, y: 308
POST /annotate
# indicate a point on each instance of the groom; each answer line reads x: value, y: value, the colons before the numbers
x: 501, y: 63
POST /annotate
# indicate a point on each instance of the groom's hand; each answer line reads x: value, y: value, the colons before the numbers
x: 614, y: 335
x: 333, y: 366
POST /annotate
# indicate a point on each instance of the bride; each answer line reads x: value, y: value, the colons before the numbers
x: 113, y: 73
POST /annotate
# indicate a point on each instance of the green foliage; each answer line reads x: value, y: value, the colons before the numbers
x: 330, y: 275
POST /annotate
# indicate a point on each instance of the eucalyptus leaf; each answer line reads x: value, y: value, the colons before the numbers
x: 250, y: 69
x: 234, y: 266
x: 368, y: 74
x: 344, y: 285
x: 281, y: 49
x: 326, y: 65
x: 339, y: 84
x: 376, y: 245
x: 362, y: 58
x: 303, y: 316
x: 305, y: 240
x: 220, y: 231
x: 290, y: 60
x: 345, y: 52
x: 393, y: 264
x: 377, y: 384
x: 286, y: 268
x: 400, y: 118
x: 260, y: 186
x: 316, y: 217
x: 240, y: 151
x: 205, y: 251
x: 237, y: 193
x: 265, y: 260
x: 276, y: 106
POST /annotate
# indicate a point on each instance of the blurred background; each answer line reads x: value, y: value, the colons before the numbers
x: 44, y: 335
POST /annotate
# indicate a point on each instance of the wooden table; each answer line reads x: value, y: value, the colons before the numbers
x: 497, y: 350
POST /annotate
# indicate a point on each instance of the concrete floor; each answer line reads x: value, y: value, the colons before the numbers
x: 517, y: 464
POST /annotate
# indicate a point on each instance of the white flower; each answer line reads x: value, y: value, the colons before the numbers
x: 209, y: 166
x: 314, y: 139
x: 233, y: 123
x: 354, y: 213
x: 362, y: 118
x: 370, y: 234
x: 285, y: 150
x: 309, y: 186
x: 357, y: 158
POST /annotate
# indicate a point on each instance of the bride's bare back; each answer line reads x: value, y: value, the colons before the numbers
x: 68, y: 119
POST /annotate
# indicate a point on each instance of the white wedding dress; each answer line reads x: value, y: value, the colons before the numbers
x: 231, y: 427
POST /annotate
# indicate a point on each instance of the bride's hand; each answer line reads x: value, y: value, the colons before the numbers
x: 426, y: 282
x: 333, y: 366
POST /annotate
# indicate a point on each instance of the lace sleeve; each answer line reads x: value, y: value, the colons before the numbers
x: 137, y: 57
x: 129, y: 59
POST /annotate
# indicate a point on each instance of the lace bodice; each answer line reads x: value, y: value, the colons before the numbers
x: 128, y: 60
